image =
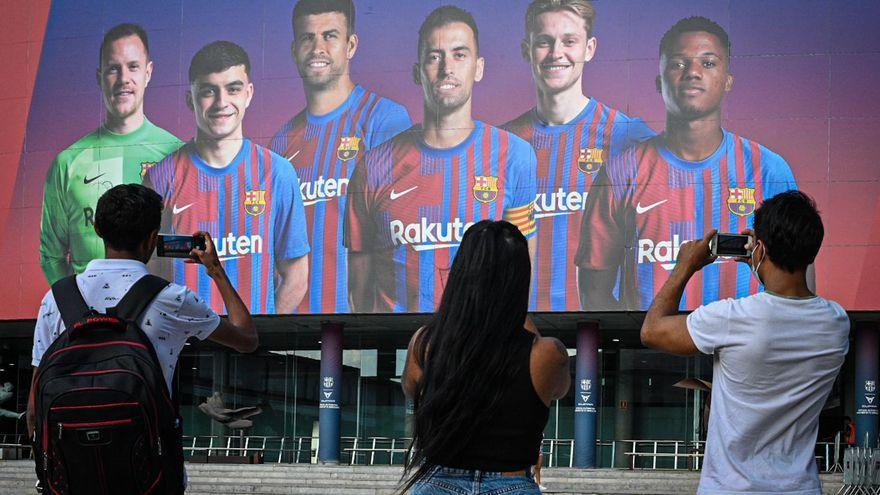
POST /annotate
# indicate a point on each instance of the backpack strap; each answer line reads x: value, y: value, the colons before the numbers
x: 138, y: 297
x: 69, y: 300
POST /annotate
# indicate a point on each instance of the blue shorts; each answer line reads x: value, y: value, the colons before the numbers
x: 449, y: 481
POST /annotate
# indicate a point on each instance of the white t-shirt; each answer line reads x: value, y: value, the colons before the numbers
x: 775, y: 360
x: 175, y: 315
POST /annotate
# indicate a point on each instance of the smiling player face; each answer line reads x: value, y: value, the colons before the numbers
x: 556, y: 49
x: 322, y: 48
x: 123, y: 76
x: 448, y: 67
x: 694, y: 76
x: 219, y: 101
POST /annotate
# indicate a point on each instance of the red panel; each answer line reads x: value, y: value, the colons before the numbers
x: 22, y: 22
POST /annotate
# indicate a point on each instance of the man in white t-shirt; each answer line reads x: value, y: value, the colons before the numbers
x: 127, y: 219
x: 776, y: 354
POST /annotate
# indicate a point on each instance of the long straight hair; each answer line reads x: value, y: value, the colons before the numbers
x: 465, y: 349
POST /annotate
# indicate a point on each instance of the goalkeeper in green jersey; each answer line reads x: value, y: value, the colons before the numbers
x: 118, y: 152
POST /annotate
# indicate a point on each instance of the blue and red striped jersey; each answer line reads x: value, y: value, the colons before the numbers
x: 653, y: 201
x: 251, y: 208
x: 323, y: 149
x: 569, y: 158
x: 409, y: 206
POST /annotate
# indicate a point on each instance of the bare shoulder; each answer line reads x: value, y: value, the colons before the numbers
x: 550, y: 350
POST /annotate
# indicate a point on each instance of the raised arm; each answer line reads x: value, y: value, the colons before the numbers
x: 237, y: 330
x: 664, y: 327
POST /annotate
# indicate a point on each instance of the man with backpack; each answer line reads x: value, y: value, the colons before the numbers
x: 97, y: 403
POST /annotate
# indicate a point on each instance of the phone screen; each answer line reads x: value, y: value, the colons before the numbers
x: 177, y: 246
x: 732, y: 245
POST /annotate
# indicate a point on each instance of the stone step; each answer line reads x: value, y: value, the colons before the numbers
x: 17, y: 477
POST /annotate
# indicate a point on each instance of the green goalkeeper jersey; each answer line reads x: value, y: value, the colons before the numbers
x: 78, y: 177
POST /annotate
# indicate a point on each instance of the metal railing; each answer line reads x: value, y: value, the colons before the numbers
x: 558, y: 452
x: 861, y: 471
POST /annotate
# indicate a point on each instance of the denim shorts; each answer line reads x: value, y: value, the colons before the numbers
x: 449, y: 481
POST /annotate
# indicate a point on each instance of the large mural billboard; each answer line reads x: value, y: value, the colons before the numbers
x: 337, y: 155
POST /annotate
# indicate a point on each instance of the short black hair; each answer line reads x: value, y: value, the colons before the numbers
x: 217, y: 57
x: 314, y: 7
x: 791, y: 229
x: 127, y: 214
x: 442, y: 16
x: 120, y: 31
x: 690, y: 25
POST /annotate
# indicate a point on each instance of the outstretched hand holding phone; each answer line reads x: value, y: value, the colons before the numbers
x: 239, y: 332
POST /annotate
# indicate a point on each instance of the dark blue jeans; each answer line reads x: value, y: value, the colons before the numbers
x: 449, y: 481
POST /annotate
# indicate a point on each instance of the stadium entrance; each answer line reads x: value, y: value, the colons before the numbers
x: 645, y: 401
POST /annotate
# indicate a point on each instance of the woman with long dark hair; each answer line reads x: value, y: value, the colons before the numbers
x: 481, y: 382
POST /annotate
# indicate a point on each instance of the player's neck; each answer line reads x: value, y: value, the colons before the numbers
x: 562, y: 107
x: 218, y: 153
x: 693, y: 140
x: 447, y: 130
x: 125, y: 125
x: 325, y: 100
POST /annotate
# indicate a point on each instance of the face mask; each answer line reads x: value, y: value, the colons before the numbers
x: 756, y: 267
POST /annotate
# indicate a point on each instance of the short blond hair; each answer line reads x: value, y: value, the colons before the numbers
x: 582, y: 8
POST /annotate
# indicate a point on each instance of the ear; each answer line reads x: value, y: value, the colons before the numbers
x: 149, y: 70
x: 658, y: 82
x: 293, y: 49
x: 98, y: 76
x: 353, y: 41
x: 526, y: 50
x: 728, y: 83
x: 591, y: 49
x: 481, y: 65
x: 189, y: 100
x: 250, y: 95
x: 417, y: 74
x: 150, y: 242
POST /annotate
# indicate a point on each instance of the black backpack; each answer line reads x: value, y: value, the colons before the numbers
x: 105, y: 421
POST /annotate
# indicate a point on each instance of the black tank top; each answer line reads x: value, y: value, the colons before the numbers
x: 511, y: 437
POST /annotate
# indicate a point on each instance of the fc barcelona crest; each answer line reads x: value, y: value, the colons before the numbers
x: 485, y: 188
x: 348, y: 148
x: 591, y: 160
x: 255, y: 202
x: 145, y: 167
x: 741, y: 200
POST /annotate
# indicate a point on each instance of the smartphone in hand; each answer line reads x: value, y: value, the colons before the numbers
x: 732, y: 245
x: 178, y: 246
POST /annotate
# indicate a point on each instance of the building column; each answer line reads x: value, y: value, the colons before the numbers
x: 329, y: 415
x: 867, y: 349
x: 586, y: 394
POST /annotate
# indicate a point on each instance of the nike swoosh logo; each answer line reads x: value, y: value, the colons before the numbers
x: 395, y: 195
x: 93, y: 179
x: 175, y: 210
x: 291, y: 157
x: 641, y: 209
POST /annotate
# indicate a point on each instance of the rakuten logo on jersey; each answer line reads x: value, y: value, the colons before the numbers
x: 559, y: 202
x: 322, y: 190
x: 424, y: 236
x: 231, y: 246
x: 664, y: 252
